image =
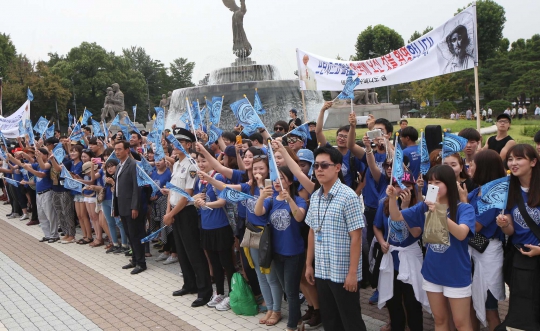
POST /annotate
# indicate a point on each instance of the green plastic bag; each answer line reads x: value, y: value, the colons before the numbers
x: 241, y: 298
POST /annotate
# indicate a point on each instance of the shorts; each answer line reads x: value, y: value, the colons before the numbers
x: 90, y: 199
x: 78, y: 198
x: 491, y: 302
x: 449, y: 292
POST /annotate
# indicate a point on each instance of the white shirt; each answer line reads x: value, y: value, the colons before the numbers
x: 120, y: 168
x: 490, y: 111
x: 183, y: 176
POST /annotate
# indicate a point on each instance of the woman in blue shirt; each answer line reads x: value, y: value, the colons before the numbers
x: 285, y: 211
x: 524, y: 263
x: 447, y: 268
x: 161, y: 176
x: 82, y: 215
x: 487, y: 284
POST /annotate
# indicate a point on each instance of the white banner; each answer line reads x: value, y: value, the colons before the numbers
x: 449, y: 48
x: 10, y: 125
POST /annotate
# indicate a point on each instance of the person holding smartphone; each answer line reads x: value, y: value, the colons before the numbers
x: 524, y: 229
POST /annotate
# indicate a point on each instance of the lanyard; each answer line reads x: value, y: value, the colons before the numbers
x: 321, y: 223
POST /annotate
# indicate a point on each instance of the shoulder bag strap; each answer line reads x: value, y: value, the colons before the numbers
x: 528, y: 219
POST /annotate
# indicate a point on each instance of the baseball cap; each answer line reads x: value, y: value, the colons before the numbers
x: 503, y: 115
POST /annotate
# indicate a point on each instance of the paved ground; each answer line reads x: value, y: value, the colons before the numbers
x: 72, y: 287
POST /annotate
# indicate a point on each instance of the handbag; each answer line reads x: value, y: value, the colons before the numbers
x: 265, y: 247
x: 436, y: 226
x: 100, y: 196
x: 252, y: 236
x: 479, y: 242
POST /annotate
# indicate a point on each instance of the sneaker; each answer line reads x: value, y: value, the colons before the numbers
x: 128, y: 252
x: 374, y: 298
x: 8, y: 215
x: 119, y: 250
x: 308, y: 314
x: 14, y: 215
x: 171, y: 259
x: 32, y: 223
x: 315, y: 321
x: 112, y: 249
x: 24, y: 217
x: 215, y: 300
x: 301, y: 297
x: 162, y: 257
x: 224, y: 304
x: 158, y: 244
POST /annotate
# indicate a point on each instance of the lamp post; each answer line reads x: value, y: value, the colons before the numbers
x: 74, y: 96
x: 387, y: 86
x: 148, y: 94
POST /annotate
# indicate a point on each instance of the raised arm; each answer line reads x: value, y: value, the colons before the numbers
x: 319, y: 128
x: 351, y: 138
x: 226, y: 172
x: 293, y: 166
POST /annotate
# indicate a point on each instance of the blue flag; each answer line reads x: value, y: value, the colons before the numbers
x: 494, y: 194
x: 154, y: 137
x: 244, y: 113
x: 203, y: 114
x: 125, y: 130
x: 302, y: 131
x: 177, y: 145
x: 41, y: 125
x: 215, y: 110
x: 179, y: 191
x: 77, y: 133
x: 196, y: 114
x: 350, y: 84
x: 86, y: 116
x: 135, y: 112
x: 274, y: 173
x: 131, y: 125
x: 159, y: 124
x: 49, y: 133
x: 143, y: 180
x: 72, y: 184
x: 116, y: 121
x: 452, y: 144
x: 105, y: 130
x: 213, y: 134
x: 185, y: 119
x: 257, y: 104
x: 397, y: 166
x: 30, y: 132
x: 70, y: 119
x: 22, y: 131
x: 3, y: 155
x: 3, y: 139
x: 251, y: 129
x: 232, y: 195
x: 59, y: 153
x: 145, y: 165
x: 424, y: 155
x: 12, y: 182
x: 29, y: 95
x: 152, y: 236
x: 159, y: 153
x: 113, y: 157
x: 65, y: 173
x: 96, y: 127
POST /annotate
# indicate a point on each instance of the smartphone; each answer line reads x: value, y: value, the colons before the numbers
x: 267, y: 183
x: 521, y: 246
x: 374, y: 134
x: 96, y: 160
x: 432, y: 193
x: 238, y: 139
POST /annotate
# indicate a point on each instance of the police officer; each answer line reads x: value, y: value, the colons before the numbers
x: 183, y: 216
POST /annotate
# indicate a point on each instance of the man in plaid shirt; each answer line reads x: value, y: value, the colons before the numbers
x: 335, y: 242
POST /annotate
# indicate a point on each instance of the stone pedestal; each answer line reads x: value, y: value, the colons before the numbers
x: 338, y: 116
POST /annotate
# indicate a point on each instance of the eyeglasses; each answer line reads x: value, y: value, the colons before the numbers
x: 340, y: 136
x: 503, y: 122
x: 261, y: 156
x: 292, y: 140
x: 323, y: 166
x: 279, y: 128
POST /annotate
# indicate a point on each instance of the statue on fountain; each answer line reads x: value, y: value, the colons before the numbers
x: 241, y: 45
x: 107, y: 111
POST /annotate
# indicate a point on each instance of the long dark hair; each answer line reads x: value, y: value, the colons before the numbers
x: 293, y: 190
x: 489, y: 166
x: 445, y: 174
x: 265, y: 161
x: 528, y: 152
x: 414, y: 201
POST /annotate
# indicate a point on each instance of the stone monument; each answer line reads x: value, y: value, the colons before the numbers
x: 117, y: 101
x: 107, y: 111
x: 163, y: 102
x: 241, y: 45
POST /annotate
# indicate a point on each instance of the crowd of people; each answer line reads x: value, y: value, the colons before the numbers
x: 338, y: 220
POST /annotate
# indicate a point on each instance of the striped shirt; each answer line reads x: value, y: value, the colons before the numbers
x: 332, y: 217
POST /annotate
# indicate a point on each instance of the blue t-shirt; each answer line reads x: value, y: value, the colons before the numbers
x: 286, y: 237
x: 490, y: 229
x: 250, y: 206
x: 17, y: 175
x: 236, y: 178
x: 522, y: 233
x: 215, y: 218
x: 345, y: 166
x: 399, y: 234
x: 445, y: 265
x: 414, y: 159
x: 162, y: 179
x: 88, y: 193
x: 372, y: 190
x: 42, y: 184
x: 76, y: 169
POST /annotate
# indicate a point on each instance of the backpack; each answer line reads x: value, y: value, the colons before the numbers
x: 241, y: 298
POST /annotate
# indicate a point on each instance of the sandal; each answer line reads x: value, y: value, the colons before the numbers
x: 109, y: 245
x: 96, y: 243
x: 274, y: 319
x: 266, y: 317
x: 81, y: 241
x: 85, y: 241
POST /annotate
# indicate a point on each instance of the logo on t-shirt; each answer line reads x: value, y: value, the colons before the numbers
x: 533, y: 212
x: 250, y: 204
x: 280, y: 219
x: 398, y: 231
x: 439, y: 248
x: 344, y: 169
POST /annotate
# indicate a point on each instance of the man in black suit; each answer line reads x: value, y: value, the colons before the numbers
x: 128, y: 205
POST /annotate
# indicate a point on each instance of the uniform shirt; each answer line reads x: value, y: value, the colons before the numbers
x: 332, y: 217
x: 162, y: 179
x: 249, y: 206
x: 446, y: 265
x: 522, y: 233
x: 413, y: 153
x: 490, y: 229
x: 286, y: 237
x: 183, y: 176
x: 42, y: 184
x: 215, y: 218
x: 372, y: 189
x: 399, y: 234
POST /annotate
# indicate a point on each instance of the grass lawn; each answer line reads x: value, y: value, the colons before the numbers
x: 521, y: 130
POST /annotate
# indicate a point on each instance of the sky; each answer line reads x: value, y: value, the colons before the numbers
x: 201, y: 30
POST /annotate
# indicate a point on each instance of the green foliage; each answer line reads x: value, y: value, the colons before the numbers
x: 8, y: 53
x: 446, y: 107
x: 417, y: 34
x: 530, y: 130
x: 379, y: 40
x: 181, y: 71
x: 498, y: 106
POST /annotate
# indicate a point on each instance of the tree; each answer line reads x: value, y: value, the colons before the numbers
x: 8, y: 53
x: 417, y: 34
x: 181, y: 72
x: 445, y: 108
x: 498, y: 106
x: 376, y: 41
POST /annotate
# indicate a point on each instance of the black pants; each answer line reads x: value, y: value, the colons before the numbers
x: 21, y: 196
x: 190, y: 254
x: 404, y: 308
x: 340, y: 309
x: 369, y: 214
x: 135, y: 231
x: 33, y: 195
x: 170, y: 246
x: 12, y: 194
x: 251, y: 275
x: 222, y: 260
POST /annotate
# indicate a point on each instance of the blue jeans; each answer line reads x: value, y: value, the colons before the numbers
x: 269, y: 284
x: 106, y: 205
x: 289, y: 272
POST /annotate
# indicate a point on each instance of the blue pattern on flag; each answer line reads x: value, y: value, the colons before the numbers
x: 233, y: 195
x: 22, y: 132
x: 244, y: 113
x: 257, y: 104
x: 215, y: 110
x: 159, y: 124
x: 70, y: 119
x: 86, y: 116
x: 253, y: 128
x: 152, y: 235
x: 176, y: 144
x: 159, y: 153
x: 185, y: 119
x: 453, y: 144
x: 12, y: 182
x: 196, y: 115
x: 145, y: 165
x: 424, y: 156
x: 135, y: 113
x: 397, y: 167
x: 494, y: 194
x: 113, y: 157
x: 30, y: 95
x: 3, y: 139
x: 302, y: 131
x: 125, y: 130
x: 59, y: 153
x: 105, y: 130
x: 213, y: 134
x: 143, y: 180
x: 350, y: 84
x: 179, y: 191
x: 72, y: 184
x: 49, y: 133
x: 131, y: 125
x: 41, y: 125
x: 116, y: 121
x: 65, y: 173
x: 96, y: 127
x: 77, y: 133
x: 30, y: 132
x: 3, y: 155
x: 274, y: 174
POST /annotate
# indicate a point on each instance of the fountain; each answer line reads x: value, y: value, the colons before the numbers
x: 278, y: 95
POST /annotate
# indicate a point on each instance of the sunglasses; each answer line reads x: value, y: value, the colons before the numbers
x: 292, y: 140
x: 261, y: 156
x: 323, y: 166
x: 279, y: 128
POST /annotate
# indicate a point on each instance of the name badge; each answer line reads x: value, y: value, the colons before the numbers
x: 319, y: 236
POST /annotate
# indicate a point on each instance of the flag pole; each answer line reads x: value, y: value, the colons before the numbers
x: 191, y: 118
x: 304, y: 105
x: 221, y: 110
x: 477, y: 97
x: 394, y: 160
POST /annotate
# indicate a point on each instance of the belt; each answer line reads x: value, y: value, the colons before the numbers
x: 369, y: 208
x: 39, y: 193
